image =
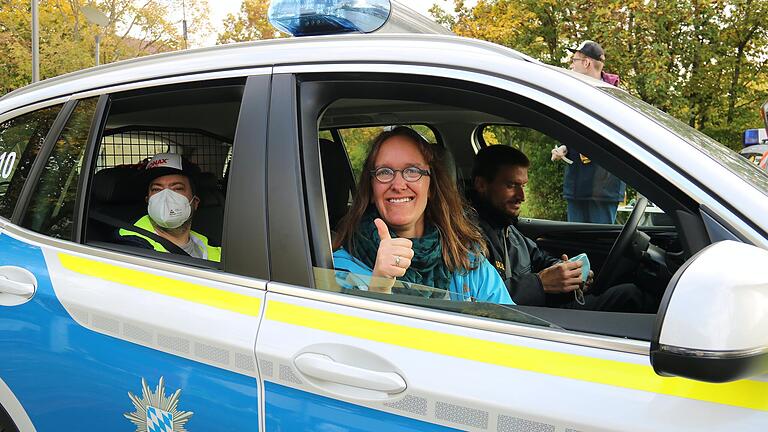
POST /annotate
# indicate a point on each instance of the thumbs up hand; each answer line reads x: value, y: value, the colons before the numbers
x: 394, y: 255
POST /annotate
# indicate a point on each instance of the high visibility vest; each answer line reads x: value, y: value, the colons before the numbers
x: 213, y: 253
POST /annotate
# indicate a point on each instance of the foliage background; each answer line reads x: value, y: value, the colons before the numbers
x: 704, y: 62
x: 67, y: 40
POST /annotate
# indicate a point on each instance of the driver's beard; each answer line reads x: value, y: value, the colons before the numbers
x: 178, y: 231
x: 181, y: 229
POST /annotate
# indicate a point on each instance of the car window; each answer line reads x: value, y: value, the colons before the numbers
x: 478, y: 292
x: 553, y: 185
x: 635, y: 274
x: 21, y: 139
x: 719, y: 153
x: 193, y: 125
x: 52, y: 205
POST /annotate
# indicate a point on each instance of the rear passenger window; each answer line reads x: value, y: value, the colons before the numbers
x: 52, y: 205
x: 151, y: 131
x: 21, y: 139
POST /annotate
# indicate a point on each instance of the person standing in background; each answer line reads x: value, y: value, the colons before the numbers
x: 592, y: 193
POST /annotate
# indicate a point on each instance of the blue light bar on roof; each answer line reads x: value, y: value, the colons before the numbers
x: 323, y: 17
x: 751, y: 137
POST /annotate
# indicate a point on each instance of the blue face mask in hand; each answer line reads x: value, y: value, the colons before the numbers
x: 169, y: 209
x: 579, y: 292
x: 584, y: 265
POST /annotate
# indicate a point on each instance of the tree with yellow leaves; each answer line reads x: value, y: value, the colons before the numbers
x: 249, y: 24
x: 67, y: 41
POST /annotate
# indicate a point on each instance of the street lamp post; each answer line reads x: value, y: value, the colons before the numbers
x: 97, y: 17
x: 35, y: 44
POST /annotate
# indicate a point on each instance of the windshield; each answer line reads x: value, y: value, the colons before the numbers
x: 726, y: 157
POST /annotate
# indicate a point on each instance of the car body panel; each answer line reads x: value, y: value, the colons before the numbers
x: 103, y: 323
x: 97, y: 340
x: 440, y: 364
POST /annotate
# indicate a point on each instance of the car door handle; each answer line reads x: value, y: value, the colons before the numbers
x: 322, y: 367
x: 17, y: 281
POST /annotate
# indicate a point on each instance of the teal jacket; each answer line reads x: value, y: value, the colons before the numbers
x: 483, y: 284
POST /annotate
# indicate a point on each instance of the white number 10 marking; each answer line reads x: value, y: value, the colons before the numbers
x: 6, y: 164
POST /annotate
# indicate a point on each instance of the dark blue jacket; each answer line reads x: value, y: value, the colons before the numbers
x: 584, y: 180
x: 589, y: 181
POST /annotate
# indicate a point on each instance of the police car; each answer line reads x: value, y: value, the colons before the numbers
x: 755, y: 146
x: 96, y: 335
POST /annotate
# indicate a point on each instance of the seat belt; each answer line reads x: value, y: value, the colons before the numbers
x: 109, y: 220
x: 507, y: 264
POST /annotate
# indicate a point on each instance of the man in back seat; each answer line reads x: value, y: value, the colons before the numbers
x: 171, y: 205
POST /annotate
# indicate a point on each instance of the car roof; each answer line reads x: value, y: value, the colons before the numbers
x: 431, y: 49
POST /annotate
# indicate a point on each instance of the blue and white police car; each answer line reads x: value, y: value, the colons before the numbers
x: 99, y: 335
x: 755, y: 143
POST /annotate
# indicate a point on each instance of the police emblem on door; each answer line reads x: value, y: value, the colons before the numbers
x: 156, y: 412
x: 159, y: 420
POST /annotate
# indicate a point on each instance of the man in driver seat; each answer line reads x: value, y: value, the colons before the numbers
x: 171, y: 205
x: 532, y: 276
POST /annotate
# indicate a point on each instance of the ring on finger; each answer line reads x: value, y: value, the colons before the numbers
x: 397, y: 260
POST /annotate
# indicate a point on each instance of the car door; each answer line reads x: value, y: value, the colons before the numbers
x: 339, y: 359
x: 123, y: 338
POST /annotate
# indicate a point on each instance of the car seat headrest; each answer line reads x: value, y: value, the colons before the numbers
x: 208, y: 190
x: 338, y: 179
x: 118, y: 185
x: 445, y: 156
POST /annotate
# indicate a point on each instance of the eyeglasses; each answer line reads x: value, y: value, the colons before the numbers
x: 410, y: 174
x: 575, y: 59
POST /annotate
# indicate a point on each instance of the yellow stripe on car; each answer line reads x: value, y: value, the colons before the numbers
x: 745, y: 393
x: 220, y: 299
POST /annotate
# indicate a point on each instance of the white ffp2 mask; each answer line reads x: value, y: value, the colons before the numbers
x: 169, y: 209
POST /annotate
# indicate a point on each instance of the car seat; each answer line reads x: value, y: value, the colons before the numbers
x: 209, y: 217
x: 338, y: 179
x: 449, y: 163
x: 116, y: 193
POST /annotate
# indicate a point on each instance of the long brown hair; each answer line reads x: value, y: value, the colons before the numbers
x: 446, y: 208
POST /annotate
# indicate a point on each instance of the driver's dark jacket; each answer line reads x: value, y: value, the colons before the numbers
x: 517, y: 258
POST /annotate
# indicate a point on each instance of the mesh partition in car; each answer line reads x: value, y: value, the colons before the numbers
x: 131, y: 146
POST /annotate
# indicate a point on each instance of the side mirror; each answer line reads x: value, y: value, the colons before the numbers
x: 712, y: 321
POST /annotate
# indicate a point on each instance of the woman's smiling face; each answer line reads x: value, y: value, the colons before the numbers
x: 401, y: 204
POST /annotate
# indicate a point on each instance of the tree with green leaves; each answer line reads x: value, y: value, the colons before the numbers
x: 704, y: 62
x: 67, y: 41
x: 250, y: 23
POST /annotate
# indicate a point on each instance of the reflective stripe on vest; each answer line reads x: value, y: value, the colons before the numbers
x: 213, y: 252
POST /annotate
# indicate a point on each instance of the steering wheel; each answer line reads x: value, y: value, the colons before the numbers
x: 609, y: 272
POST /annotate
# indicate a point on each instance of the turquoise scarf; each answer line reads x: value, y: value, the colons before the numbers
x: 427, y: 266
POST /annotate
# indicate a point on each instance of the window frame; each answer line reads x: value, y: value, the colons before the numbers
x: 78, y: 184
x: 42, y: 158
x: 15, y: 115
x: 92, y: 153
x: 359, y: 85
x: 250, y: 114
